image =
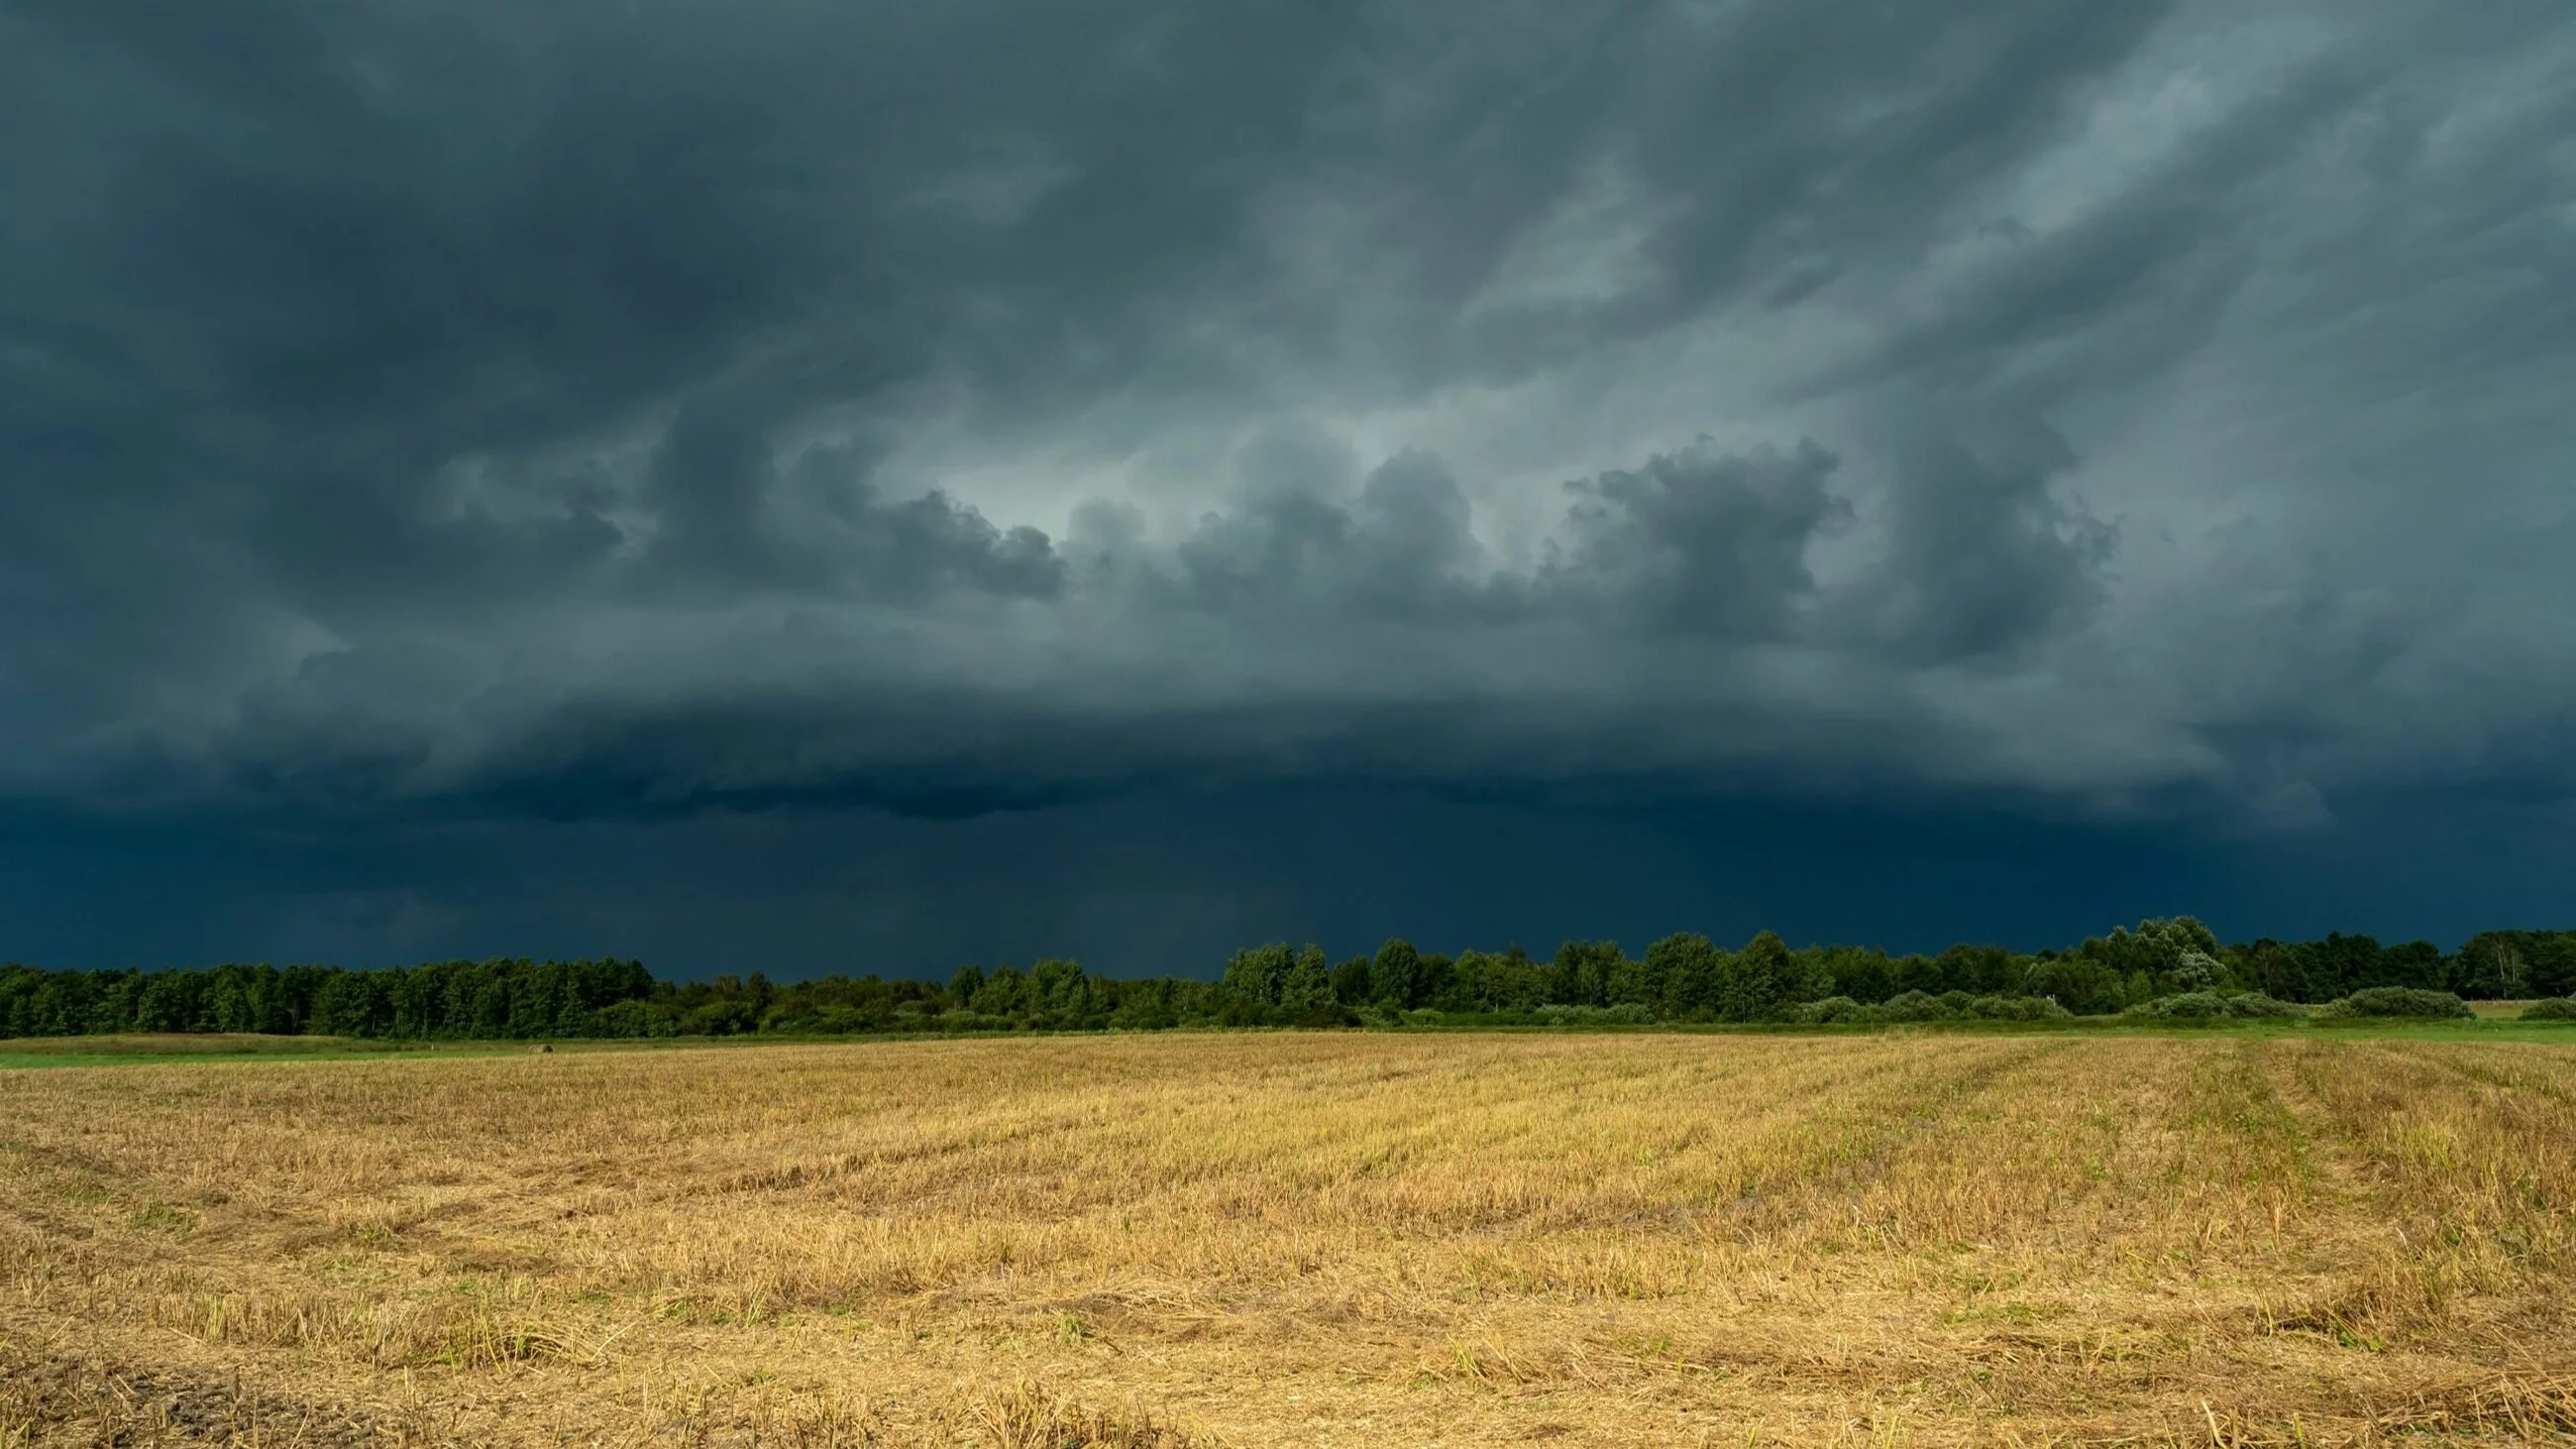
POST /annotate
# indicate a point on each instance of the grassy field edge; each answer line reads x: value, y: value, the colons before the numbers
x: 21, y: 1053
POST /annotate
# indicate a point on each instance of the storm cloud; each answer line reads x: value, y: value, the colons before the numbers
x: 479, y: 421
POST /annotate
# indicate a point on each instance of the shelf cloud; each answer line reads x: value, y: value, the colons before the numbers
x: 2140, y: 425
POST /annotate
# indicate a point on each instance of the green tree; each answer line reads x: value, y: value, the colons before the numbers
x: 1482, y: 981
x: 1689, y: 965
x: 2079, y: 983
x: 1865, y: 974
x: 1309, y: 984
x: 1758, y: 982
x: 1353, y: 984
x: 1258, y: 976
x: 1582, y: 973
x: 1397, y: 973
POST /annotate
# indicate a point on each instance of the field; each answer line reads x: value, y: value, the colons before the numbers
x: 1269, y: 1239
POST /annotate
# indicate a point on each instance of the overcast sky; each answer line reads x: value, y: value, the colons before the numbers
x: 796, y: 486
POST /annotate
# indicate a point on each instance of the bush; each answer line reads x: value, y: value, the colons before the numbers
x: 1629, y: 1013
x: 2551, y: 1008
x: 2255, y: 1003
x: 1914, y: 1006
x: 2186, y: 1006
x: 1834, y: 1008
x: 2016, y: 1008
x: 2398, y: 1001
x: 2210, y: 1006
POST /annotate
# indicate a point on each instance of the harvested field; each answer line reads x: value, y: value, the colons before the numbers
x: 1265, y: 1239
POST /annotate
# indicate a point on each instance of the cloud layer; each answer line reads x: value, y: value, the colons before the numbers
x: 2143, y: 413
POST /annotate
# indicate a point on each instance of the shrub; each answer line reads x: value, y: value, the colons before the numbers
x: 2255, y: 1003
x: 1833, y: 1008
x: 2186, y: 1006
x: 2551, y: 1008
x: 2016, y: 1008
x: 2387, y: 1001
x: 2210, y: 1006
x: 1914, y: 1006
x: 1629, y: 1013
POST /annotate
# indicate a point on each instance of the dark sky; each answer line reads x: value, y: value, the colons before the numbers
x: 797, y: 486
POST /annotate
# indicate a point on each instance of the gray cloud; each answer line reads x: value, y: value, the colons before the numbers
x: 1982, y: 556
x: 584, y: 409
x: 722, y: 509
x: 1701, y: 543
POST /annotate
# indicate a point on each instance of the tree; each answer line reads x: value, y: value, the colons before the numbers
x: 2492, y: 966
x: 1436, y: 980
x: 1758, y: 981
x: 1259, y: 975
x: 1397, y: 973
x: 1484, y: 982
x: 1308, y: 985
x: 2415, y: 964
x: 1635, y: 982
x: 1352, y: 983
x: 2274, y: 970
x: 2340, y: 965
x: 1865, y: 974
x: 1060, y: 993
x: 2169, y: 937
x: 1980, y: 970
x: 1916, y: 972
x: 2196, y: 970
x: 2553, y: 962
x: 1582, y: 973
x: 2078, y: 982
x: 1688, y: 965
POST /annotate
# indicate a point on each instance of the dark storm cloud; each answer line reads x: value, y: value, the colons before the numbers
x: 1697, y: 542
x: 715, y: 486
x: 1700, y: 542
x: 1982, y: 556
x: 595, y: 411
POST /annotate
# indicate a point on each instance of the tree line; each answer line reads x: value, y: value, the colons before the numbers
x: 2164, y: 967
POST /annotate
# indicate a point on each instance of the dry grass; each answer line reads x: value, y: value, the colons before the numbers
x: 1299, y: 1239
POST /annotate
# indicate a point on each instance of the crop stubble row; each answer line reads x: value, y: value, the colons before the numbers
x: 1305, y: 1238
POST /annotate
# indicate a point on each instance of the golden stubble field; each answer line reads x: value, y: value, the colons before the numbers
x: 1266, y: 1239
